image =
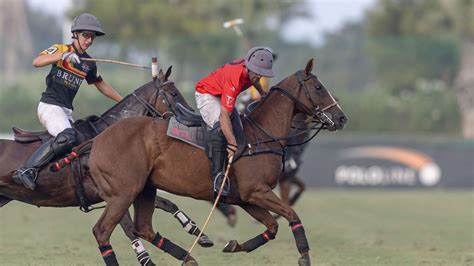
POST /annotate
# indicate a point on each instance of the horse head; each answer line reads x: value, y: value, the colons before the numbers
x: 156, y: 98
x: 169, y: 95
x: 312, y: 98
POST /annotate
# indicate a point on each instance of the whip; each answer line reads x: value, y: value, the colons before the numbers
x: 213, y: 206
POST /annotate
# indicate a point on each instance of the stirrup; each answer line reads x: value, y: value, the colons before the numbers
x: 218, y: 182
x: 22, y: 174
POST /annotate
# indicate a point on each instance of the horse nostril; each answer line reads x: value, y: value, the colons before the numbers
x: 342, y: 119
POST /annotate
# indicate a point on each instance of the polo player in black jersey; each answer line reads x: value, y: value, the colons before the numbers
x: 62, y: 83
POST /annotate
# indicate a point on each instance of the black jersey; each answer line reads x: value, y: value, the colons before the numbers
x: 64, y: 79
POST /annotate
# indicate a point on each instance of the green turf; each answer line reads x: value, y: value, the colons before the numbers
x: 343, y: 227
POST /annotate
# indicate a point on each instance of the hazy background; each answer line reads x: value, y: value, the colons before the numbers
x: 397, y: 67
x: 403, y: 71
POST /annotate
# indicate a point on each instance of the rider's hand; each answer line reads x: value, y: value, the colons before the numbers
x: 70, y: 57
x: 231, y: 150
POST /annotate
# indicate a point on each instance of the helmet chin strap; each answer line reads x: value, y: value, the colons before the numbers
x: 75, y: 36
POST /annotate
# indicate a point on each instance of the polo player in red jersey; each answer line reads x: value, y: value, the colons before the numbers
x: 216, y: 95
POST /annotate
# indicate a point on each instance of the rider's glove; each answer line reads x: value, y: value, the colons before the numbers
x: 73, y: 58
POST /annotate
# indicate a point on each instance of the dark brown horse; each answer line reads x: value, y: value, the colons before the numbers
x: 134, y: 157
x: 155, y: 99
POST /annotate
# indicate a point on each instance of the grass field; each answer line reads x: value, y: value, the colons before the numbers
x: 343, y: 228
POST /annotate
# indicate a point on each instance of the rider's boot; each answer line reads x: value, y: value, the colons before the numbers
x: 219, y: 159
x: 49, y: 150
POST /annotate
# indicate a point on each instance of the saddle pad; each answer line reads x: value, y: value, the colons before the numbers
x: 191, y: 135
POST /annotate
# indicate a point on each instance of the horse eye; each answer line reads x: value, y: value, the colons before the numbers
x: 318, y: 87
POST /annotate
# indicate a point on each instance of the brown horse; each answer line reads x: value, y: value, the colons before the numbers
x: 134, y: 157
x: 155, y: 99
x: 301, y: 128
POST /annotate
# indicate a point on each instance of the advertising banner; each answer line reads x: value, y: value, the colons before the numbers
x: 385, y: 162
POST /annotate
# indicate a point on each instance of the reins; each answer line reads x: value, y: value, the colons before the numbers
x: 254, y: 148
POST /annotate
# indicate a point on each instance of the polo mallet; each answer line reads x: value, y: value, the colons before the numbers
x: 213, y: 206
x: 154, y: 64
x: 235, y: 25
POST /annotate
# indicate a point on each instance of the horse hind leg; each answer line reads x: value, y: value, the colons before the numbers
x: 144, y: 207
x: 264, y: 217
x: 142, y: 255
x: 265, y: 198
x: 301, y: 188
x: 186, y: 222
x: 113, y: 213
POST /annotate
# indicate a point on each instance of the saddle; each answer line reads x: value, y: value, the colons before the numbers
x: 24, y: 136
x: 188, y: 126
x: 84, y: 126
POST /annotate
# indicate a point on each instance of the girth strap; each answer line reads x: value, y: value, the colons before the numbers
x: 76, y: 167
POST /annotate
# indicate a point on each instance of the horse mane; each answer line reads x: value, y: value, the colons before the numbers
x: 255, y: 106
x: 129, y: 106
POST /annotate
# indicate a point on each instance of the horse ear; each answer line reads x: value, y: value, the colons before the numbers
x: 161, y: 75
x: 168, y: 73
x: 309, y: 66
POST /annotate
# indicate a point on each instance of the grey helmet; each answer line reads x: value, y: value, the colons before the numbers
x: 86, y: 21
x: 260, y: 61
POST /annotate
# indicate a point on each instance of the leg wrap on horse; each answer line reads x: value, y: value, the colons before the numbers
x: 258, y: 241
x: 142, y: 255
x: 186, y: 222
x: 169, y: 247
x: 108, y: 255
x: 300, y: 236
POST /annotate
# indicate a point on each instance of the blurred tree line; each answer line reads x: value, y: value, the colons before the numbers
x: 401, y: 69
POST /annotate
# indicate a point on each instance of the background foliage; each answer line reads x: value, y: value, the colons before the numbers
x: 393, y: 71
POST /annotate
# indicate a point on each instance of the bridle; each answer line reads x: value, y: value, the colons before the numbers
x: 150, y: 109
x: 315, y: 111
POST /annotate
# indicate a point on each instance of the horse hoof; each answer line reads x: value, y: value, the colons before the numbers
x: 304, y: 260
x: 231, y: 246
x: 190, y: 262
x: 205, y: 242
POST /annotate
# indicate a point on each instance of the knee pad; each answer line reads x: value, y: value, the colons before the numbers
x: 64, y: 141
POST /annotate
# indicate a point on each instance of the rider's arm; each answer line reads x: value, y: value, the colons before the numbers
x: 226, y: 126
x: 46, y: 59
x: 259, y: 89
x: 108, y: 91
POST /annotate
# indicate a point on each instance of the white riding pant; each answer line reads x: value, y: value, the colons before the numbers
x: 209, y: 106
x: 54, y: 118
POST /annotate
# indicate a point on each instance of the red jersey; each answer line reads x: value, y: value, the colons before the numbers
x: 227, y: 82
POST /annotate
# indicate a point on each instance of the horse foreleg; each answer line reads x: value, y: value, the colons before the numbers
x: 142, y: 255
x: 264, y: 217
x: 187, y: 223
x: 113, y: 213
x: 301, y: 188
x: 144, y: 206
x: 229, y: 212
x: 264, y: 197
